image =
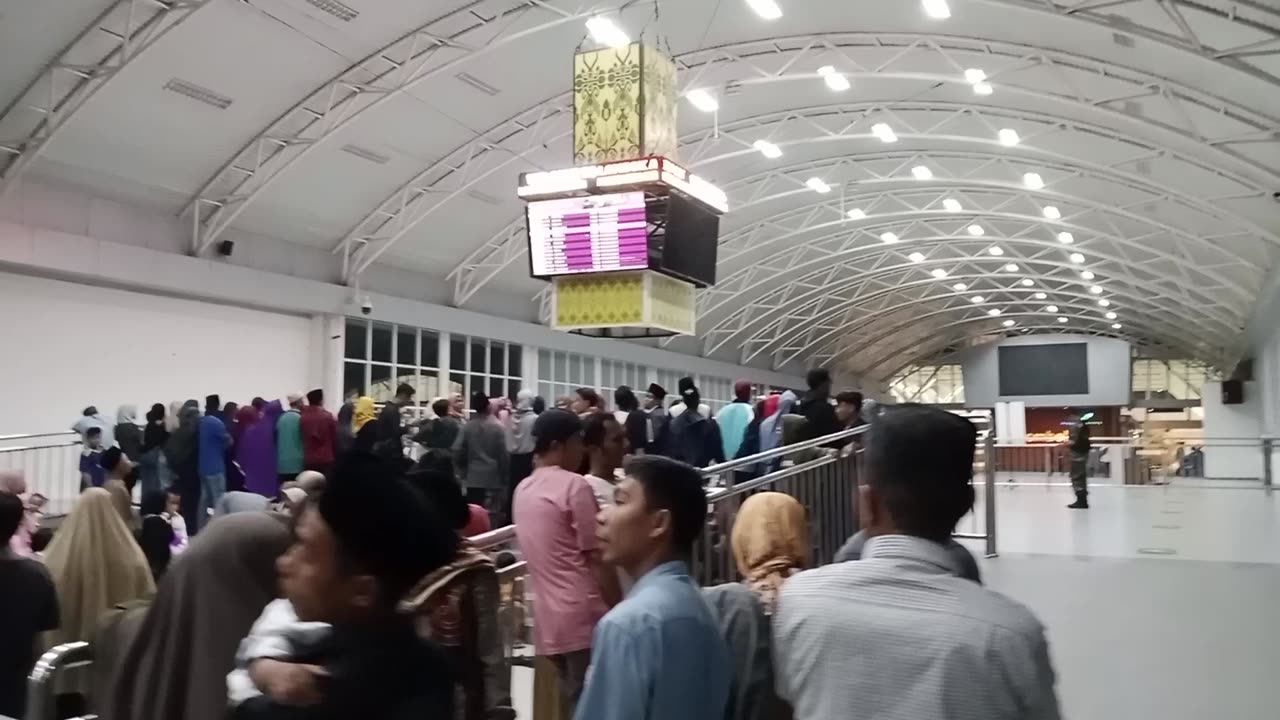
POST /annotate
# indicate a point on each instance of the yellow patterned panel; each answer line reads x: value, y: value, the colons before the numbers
x: 659, y: 134
x: 608, y: 300
x: 606, y: 105
x: 671, y: 304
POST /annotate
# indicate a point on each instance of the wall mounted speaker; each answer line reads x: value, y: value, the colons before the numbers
x: 226, y: 247
x: 1232, y: 392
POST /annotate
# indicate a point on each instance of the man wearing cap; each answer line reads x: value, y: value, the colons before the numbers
x: 555, y: 515
x: 289, y: 454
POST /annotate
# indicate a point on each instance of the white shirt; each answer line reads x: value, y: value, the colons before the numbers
x: 603, y: 490
x: 897, y: 636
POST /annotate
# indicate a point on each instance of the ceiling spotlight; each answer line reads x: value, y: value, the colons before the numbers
x: 937, y: 9
x: 834, y: 80
x: 938, y: 273
x: 1062, y: 319
x: 1110, y: 316
x: 605, y: 32
x: 1007, y: 323
x: 1040, y: 296
x: 1104, y: 302
x: 702, y: 100
x: 976, y: 299
x: 1116, y: 326
x: 1096, y: 289
x: 994, y: 312
x: 1066, y: 238
x: 1077, y: 258
x: 995, y: 250
x: 1087, y: 275
x: 818, y: 185
x: 959, y: 287
x: 856, y: 214
x: 916, y: 257
x: 983, y: 88
x: 1009, y: 137
x: 1051, y: 308
x: 888, y: 238
x: 767, y: 149
x: 884, y: 132
x: 973, y: 76
x: 1011, y: 267
x: 1052, y: 212
x: 1033, y: 181
x: 922, y: 172
x: 1028, y: 282
x: 951, y: 204
x: 976, y: 230
x: 766, y: 9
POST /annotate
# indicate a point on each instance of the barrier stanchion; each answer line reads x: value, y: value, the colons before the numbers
x: 1266, y: 465
x: 990, y: 478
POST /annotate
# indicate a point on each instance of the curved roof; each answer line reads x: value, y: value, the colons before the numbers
x: 1097, y: 166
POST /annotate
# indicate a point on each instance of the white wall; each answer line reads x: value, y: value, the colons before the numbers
x: 1109, y: 373
x: 68, y: 345
x: 1232, y: 424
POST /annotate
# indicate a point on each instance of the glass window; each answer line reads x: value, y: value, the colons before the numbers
x: 407, y: 347
x: 497, y: 358
x: 381, y: 343
x: 457, y: 353
x: 353, y: 377
x: 458, y: 384
x: 380, y: 386
x: 428, y: 387
x: 515, y: 362
x: 478, y: 356
x: 356, y: 339
x: 497, y: 387
x: 577, y: 376
x: 430, y: 344
x: 560, y: 371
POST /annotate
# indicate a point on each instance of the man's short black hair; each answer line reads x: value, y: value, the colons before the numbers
x: 850, y: 397
x: 920, y: 459
x: 405, y: 389
x: 93, y: 432
x: 11, y: 514
x: 594, y: 428
x: 817, y: 377
x: 316, y: 397
x: 625, y: 399
x: 433, y: 477
x: 479, y: 403
x: 441, y: 407
x: 554, y: 426
x: 677, y: 488
x: 110, y: 458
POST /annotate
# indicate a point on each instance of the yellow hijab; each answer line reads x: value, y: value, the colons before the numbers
x: 95, y: 564
x: 364, y: 412
x: 770, y: 543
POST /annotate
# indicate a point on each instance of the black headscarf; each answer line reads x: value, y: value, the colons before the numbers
x: 156, y: 538
x: 155, y: 433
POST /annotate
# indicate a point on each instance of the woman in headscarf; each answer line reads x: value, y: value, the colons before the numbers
x: 362, y: 425
x: 95, y: 564
x: 180, y: 452
x: 151, y: 467
x: 256, y: 452
x: 177, y: 664
x: 771, y: 430
x: 155, y: 537
x: 129, y: 435
x: 122, y: 500
x: 770, y: 542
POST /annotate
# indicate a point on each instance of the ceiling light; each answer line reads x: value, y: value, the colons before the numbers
x: 818, y: 185
x: 1077, y: 258
x: 973, y: 76
x: 1116, y: 326
x: 888, y: 238
x: 916, y: 257
x: 856, y: 214
x: 1040, y: 296
x: 959, y: 287
x: 198, y: 93
x: 766, y: 9
x: 1110, y: 316
x: 1104, y: 302
x: 606, y: 33
x: 983, y: 88
x: 1009, y: 137
x: 767, y: 149
x: 976, y: 299
x: 884, y: 132
x: 834, y: 80
x: 976, y: 230
x: 1028, y: 282
x: 1052, y: 212
x: 1051, y: 308
x: 938, y: 273
x: 1007, y: 323
x: 1062, y: 319
x: 995, y: 250
x: 1096, y: 289
x: 1011, y: 267
x: 937, y: 9
x: 922, y: 172
x: 994, y: 312
x: 702, y: 100
x: 1066, y: 238
x: 1033, y: 181
x: 951, y: 204
x: 335, y: 8
x: 1087, y: 275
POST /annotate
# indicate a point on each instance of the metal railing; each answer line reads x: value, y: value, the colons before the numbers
x: 61, y: 669
x: 51, y: 464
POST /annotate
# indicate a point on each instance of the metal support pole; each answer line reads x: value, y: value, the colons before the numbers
x: 989, y: 468
x: 1266, y: 464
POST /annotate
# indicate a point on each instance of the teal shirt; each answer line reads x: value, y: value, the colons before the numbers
x: 289, y: 443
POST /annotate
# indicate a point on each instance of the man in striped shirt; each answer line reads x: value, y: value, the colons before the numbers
x: 898, y: 635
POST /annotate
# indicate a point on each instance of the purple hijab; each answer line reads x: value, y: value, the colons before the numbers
x: 257, y: 452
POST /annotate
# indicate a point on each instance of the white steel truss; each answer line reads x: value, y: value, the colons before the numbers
x: 116, y: 38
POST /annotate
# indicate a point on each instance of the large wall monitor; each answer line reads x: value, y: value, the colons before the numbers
x: 590, y: 234
x: 1059, y: 369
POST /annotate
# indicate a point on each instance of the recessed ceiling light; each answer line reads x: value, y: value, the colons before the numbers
x: 767, y: 9
x: 1040, y: 296
x: 976, y: 299
x: 995, y: 250
x: 973, y: 76
x: 767, y: 149
x: 983, y: 88
x: 1033, y: 181
x: 1011, y: 267
x: 1077, y: 258
x: 1116, y: 326
x: 888, y: 238
x: 1009, y: 137
x: 922, y: 172
x: 959, y: 287
x: 1062, y: 319
x: 702, y: 100
x: 916, y: 257
x: 1008, y: 323
x: 1104, y: 302
x: 856, y: 214
x: 1051, y: 308
x: 1110, y: 316
x: 1066, y: 238
x: 1096, y: 289
x: 884, y: 132
x: 937, y: 9
x: 605, y: 32
x: 976, y: 230
x: 951, y: 204
x: 994, y: 312
x: 818, y: 185
x: 834, y: 80
x: 1087, y: 275
x: 938, y: 273
x: 1052, y: 212
x: 1028, y: 282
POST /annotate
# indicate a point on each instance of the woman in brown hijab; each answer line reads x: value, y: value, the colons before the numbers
x: 770, y: 543
x: 177, y: 665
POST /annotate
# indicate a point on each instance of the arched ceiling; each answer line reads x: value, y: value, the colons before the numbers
x: 1126, y: 154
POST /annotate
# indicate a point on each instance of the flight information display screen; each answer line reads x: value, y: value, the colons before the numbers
x: 596, y: 233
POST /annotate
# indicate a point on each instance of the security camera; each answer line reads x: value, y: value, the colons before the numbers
x: 1275, y: 196
x: 366, y: 307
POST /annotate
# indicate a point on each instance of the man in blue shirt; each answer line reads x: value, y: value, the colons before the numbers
x: 211, y: 462
x: 659, y: 654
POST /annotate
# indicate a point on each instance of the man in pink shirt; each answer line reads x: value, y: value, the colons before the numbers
x: 555, y: 515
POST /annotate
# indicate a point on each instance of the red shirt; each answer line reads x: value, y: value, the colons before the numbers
x: 319, y: 434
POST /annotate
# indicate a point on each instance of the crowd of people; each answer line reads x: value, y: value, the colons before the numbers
x: 328, y: 572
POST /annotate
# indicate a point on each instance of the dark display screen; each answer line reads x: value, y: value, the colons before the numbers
x: 690, y: 241
x: 1044, y: 369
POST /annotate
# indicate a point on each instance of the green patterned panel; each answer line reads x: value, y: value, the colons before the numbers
x: 606, y: 105
x: 659, y: 86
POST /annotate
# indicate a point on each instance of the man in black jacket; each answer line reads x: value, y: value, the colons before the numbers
x: 816, y: 406
x: 695, y: 438
x: 391, y: 427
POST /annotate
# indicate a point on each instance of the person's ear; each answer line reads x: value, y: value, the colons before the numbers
x: 661, y: 524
